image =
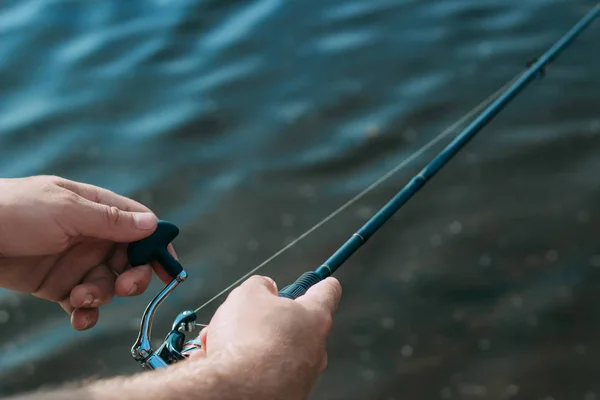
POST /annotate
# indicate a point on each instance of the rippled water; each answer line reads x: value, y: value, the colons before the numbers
x: 246, y: 122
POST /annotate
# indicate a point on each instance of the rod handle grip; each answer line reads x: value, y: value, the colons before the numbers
x: 302, y: 284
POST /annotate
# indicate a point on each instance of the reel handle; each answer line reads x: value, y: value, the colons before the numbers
x: 154, y: 248
x: 145, y: 251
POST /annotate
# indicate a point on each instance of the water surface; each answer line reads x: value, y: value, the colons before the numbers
x: 246, y: 122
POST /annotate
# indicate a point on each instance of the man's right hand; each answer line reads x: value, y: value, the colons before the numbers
x: 258, y: 346
x: 279, y: 344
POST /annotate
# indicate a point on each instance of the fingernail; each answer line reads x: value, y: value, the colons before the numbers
x: 145, y: 221
x: 133, y: 289
x: 87, y: 322
x: 88, y: 300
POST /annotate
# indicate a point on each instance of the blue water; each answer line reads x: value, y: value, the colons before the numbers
x: 246, y: 122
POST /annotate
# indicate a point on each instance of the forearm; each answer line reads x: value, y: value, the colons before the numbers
x: 197, y: 380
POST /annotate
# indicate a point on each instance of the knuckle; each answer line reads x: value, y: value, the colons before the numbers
x: 51, y: 181
x: 47, y: 186
x: 260, y: 280
x: 255, y: 279
x: 57, y: 180
x: 113, y: 215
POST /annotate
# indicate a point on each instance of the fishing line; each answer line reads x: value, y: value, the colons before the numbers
x: 374, y: 185
x: 155, y: 247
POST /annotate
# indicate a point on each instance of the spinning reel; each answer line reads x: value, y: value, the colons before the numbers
x: 174, y: 348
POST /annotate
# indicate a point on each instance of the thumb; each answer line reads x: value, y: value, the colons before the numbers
x: 106, y: 222
x: 326, y: 294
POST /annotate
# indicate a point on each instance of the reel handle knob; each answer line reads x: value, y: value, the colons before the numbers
x: 154, y: 248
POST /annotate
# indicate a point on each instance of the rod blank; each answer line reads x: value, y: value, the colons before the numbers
x: 358, y: 239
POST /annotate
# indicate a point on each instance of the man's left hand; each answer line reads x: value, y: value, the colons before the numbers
x: 66, y: 242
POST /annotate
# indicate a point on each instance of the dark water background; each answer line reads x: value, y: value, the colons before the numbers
x: 246, y: 122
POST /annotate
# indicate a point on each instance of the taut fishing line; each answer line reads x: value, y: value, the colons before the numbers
x: 154, y: 248
x: 452, y: 128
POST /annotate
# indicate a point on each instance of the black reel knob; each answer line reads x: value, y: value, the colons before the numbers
x: 154, y: 248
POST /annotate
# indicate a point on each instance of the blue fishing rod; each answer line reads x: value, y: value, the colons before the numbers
x: 154, y: 247
x: 358, y: 239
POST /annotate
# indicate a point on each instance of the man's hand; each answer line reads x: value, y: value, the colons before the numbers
x: 279, y: 343
x: 258, y: 346
x: 66, y: 242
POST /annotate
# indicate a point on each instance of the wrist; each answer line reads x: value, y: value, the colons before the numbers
x: 185, y: 381
x: 263, y: 374
x: 202, y: 379
x: 220, y: 377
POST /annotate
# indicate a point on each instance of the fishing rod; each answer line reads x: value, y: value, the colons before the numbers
x: 154, y: 248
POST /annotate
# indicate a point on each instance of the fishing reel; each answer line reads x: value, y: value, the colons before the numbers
x: 174, y: 348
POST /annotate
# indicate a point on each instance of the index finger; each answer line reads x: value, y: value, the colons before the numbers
x: 103, y: 196
x: 326, y: 293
